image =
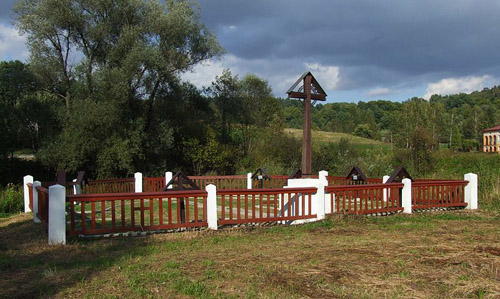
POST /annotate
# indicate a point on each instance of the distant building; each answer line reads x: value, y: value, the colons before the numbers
x: 491, y: 140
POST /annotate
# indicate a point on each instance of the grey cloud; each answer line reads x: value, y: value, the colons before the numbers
x: 376, y: 42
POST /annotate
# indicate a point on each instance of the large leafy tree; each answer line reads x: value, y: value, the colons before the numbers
x: 110, y: 61
x: 15, y: 82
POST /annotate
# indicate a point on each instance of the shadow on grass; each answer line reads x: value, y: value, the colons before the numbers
x: 29, y: 267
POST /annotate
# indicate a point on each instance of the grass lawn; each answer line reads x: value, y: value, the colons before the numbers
x: 451, y: 254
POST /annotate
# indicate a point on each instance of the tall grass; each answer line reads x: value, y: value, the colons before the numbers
x: 11, y: 200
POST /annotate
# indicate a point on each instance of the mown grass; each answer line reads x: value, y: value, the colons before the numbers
x: 451, y: 254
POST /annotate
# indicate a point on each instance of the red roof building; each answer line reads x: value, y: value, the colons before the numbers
x: 491, y: 140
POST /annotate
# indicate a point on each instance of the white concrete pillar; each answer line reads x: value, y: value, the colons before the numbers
x: 35, y: 201
x: 249, y: 180
x: 326, y: 197
x: 471, y: 191
x: 211, y: 206
x: 385, y: 178
x: 28, y: 179
x: 321, y: 198
x: 168, y: 178
x: 406, y: 196
x: 57, y: 215
x: 138, y: 182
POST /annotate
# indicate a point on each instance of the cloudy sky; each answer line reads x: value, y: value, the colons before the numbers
x: 358, y: 50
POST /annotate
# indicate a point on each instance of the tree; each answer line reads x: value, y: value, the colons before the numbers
x: 110, y: 62
x: 226, y: 92
x: 363, y: 130
x: 143, y: 45
x: 15, y: 82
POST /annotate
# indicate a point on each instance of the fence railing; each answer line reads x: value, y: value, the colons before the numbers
x: 340, y: 180
x: 43, y: 205
x: 91, y: 214
x: 264, y: 205
x: 123, y: 212
x: 221, y: 182
x: 125, y: 185
x: 274, y: 181
x: 154, y: 184
x: 364, y: 199
x: 30, y: 194
x: 438, y: 194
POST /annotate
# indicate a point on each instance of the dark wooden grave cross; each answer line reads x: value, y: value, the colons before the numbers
x: 310, y: 90
x: 183, y: 182
x: 356, y: 176
x: 260, y: 174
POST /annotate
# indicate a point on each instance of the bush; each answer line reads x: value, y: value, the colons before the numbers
x: 11, y: 200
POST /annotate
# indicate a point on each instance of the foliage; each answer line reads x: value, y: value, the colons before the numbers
x: 454, y: 120
x: 363, y: 130
x: 11, y: 200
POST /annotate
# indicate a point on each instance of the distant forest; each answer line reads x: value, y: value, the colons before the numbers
x: 454, y: 121
x: 235, y: 125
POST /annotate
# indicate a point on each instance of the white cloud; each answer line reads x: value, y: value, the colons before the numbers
x: 378, y: 92
x: 457, y: 85
x: 328, y: 76
x: 12, y: 45
x: 280, y: 73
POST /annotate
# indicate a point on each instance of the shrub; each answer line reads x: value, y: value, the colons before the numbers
x: 11, y: 200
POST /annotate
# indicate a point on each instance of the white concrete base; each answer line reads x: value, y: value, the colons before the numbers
x: 317, y: 200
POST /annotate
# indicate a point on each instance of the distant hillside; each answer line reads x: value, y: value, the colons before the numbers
x: 327, y: 137
x: 453, y: 120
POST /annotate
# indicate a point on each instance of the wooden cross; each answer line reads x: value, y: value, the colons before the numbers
x: 310, y: 90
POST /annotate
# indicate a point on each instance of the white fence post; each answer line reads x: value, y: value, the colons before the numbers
x: 168, y: 178
x: 320, y: 195
x: 406, y: 196
x: 138, y: 182
x: 35, y: 201
x: 249, y: 180
x: 385, y: 178
x: 57, y: 215
x: 471, y: 191
x: 211, y: 206
x: 28, y: 179
x: 77, y: 189
x: 325, y: 206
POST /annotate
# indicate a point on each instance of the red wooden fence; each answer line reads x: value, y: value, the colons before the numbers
x: 341, y: 180
x: 30, y: 194
x: 436, y: 194
x: 122, y: 212
x: 43, y: 204
x: 154, y: 184
x: 365, y: 199
x: 263, y: 205
x: 221, y: 182
x: 125, y: 185
x: 275, y: 181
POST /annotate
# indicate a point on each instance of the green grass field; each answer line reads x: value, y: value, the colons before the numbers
x: 329, y: 137
x: 432, y: 255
